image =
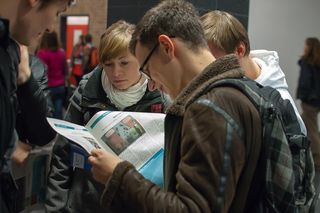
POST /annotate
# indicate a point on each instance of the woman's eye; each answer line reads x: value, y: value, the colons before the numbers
x: 124, y: 62
x: 108, y: 65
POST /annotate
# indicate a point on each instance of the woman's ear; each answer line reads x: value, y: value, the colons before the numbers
x: 167, y: 45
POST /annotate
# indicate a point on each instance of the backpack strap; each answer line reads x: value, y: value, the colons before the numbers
x: 232, y: 126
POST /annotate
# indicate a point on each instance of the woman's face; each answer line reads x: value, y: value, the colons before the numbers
x: 123, y: 70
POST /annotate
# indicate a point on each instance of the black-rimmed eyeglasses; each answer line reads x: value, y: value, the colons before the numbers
x: 147, y: 59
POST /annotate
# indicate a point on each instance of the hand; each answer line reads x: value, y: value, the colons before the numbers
x: 103, y: 164
x: 24, y: 69
x: 21, y: 153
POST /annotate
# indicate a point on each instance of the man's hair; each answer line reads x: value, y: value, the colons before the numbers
x: 312, y: 56
x: 224, y: 31
x: 174, y: 18
x: 115, y: 40
x: 45, y: 3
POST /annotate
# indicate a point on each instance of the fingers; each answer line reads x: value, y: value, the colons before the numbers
x: 24, y: 52
x: 24, y: 69
x: 21, y: 153
x: 96, y: 152
x: 96, y: 155
x: 92, y: 160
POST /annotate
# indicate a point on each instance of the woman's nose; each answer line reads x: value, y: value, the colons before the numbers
x: 116, y: 71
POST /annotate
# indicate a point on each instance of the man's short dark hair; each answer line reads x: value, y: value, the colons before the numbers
x: 176, y: 18
x: 45, y: 3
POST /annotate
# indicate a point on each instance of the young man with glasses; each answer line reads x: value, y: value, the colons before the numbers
x: 198, y: 175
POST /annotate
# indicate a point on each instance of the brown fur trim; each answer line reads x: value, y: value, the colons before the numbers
x: 224, y: 67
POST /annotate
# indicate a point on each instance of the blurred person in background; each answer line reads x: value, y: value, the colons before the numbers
x: 91, y: 58
x: 309, y: 93
x: 55, y: 58
x: 77, y: 61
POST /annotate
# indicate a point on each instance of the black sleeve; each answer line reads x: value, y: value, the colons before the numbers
x: 34, y: 110
x: 40, y: 73
x: 305, y: 81
x: 8, y: 64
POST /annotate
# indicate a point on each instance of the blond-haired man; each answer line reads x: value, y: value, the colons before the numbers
x: 225, y: 35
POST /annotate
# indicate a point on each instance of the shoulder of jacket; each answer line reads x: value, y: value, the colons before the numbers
x: 76, y: 98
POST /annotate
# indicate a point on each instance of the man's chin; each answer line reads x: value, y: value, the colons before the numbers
x: 21, y: 40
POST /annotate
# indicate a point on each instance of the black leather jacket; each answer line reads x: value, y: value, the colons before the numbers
x: 308, y: 86
x: 9, y: 60
x: 27, y: 123
x: 34, y: 108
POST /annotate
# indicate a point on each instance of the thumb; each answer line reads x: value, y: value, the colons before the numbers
x: 92, y: 160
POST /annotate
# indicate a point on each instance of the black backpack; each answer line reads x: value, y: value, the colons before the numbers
x: 285, y: 170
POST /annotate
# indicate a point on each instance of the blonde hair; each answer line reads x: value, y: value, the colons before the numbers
x: 224, y: 31
x: 115, y: 40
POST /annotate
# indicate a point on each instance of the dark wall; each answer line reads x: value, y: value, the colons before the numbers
x: 133, y: 10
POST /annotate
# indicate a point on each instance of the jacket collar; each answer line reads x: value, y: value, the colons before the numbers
x: 224, y: 67
x: 90, y: 92
x: 93, y: 88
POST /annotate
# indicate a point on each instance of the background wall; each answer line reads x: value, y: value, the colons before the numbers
x: 283, y: 26
x: 97, y: 12
x: 133, y: 10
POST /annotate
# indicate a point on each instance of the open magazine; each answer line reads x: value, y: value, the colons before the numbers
x: 133, y: 136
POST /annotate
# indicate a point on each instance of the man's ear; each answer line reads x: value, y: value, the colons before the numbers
x: 167, y: 45
x: 241, y: 49
x: 34, y: 3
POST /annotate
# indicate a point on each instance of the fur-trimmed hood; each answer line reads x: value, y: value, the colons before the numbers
x: 224, y: 67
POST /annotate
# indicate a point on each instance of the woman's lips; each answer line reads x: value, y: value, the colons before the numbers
x: 118, y: 81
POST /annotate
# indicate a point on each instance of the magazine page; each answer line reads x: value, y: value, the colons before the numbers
x: 76, y: 133
x: 133, y: 136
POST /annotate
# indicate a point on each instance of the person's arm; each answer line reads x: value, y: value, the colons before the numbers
x: 198, y: 175
x: 22, y: 149
x: 33, y: 105
x: 60, y: 176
